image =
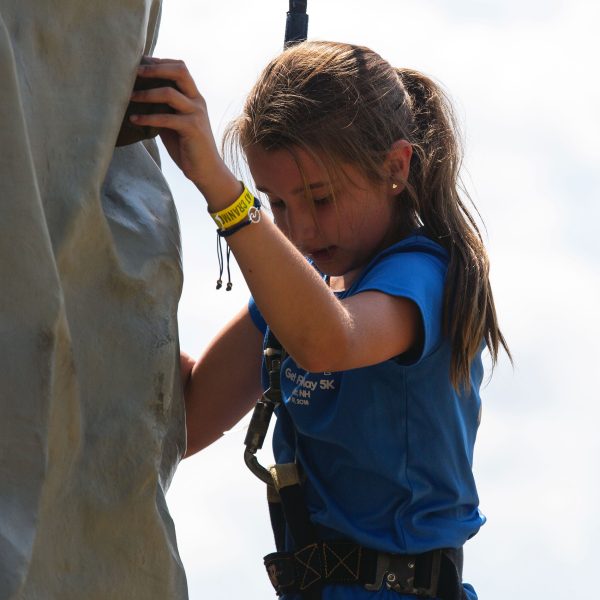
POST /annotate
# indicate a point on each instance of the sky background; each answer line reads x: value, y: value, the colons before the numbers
x: 524, y: 79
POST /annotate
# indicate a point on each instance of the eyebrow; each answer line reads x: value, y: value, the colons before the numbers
x: 311, y: 186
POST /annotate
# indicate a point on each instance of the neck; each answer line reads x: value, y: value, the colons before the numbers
x: 340, y: 283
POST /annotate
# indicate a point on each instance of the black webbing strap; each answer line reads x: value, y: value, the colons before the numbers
x: 294, y: 513
x: 288, y: 485
x: 277, y: 517
x: 434, y: 574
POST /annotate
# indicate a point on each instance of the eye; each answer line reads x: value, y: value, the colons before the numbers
x: 324, y: 201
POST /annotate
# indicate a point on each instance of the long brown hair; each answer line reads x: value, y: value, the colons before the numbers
x: 347, y: 104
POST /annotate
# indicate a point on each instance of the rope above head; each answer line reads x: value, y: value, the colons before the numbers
x: 296, y: 25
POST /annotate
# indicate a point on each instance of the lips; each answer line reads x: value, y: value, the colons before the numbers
x: 322, y: 254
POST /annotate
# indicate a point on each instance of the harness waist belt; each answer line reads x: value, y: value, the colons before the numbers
x: 433, y: 574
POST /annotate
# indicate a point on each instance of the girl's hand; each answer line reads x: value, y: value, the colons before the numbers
x: 186, y: 133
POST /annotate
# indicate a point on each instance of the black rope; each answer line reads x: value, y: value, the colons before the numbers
x: 296, y: 25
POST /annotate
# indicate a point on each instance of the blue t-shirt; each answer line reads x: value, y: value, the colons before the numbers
x: 387, y: 449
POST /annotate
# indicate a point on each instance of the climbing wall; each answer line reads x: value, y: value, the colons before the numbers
x: 91, y: 412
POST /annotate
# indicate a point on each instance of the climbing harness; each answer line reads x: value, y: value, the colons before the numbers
x: 317, y: 562
x: 434, y: 574
x: 284, y: 488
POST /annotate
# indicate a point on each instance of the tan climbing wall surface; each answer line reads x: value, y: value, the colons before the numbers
x: 91, y: 415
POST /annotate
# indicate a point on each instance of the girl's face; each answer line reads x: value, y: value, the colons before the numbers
x: 340, y: 236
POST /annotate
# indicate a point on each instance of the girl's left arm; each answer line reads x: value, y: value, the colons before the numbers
x: 319, y: 331
x: 224, y: 383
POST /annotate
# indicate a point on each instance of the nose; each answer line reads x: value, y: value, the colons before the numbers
x: 301, y: 226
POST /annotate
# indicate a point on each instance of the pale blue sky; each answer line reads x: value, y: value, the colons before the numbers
x: 523, y: 78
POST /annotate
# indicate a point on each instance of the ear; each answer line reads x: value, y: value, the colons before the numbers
x: 397, y: 165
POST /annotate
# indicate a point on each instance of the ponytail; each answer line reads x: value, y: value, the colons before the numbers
x: 433, y: 195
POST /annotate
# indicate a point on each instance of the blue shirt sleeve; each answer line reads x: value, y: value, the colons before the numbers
x: 418, y: 276
x: 256, y: 316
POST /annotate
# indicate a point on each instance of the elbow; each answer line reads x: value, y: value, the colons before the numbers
x: 198, y: 439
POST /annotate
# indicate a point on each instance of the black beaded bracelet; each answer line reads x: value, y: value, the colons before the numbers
x: 253, y: 217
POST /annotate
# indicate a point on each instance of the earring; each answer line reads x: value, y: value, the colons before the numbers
x: 394, y: 186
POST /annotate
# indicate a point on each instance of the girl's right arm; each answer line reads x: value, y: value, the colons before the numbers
x: 319, y: 331
x: 224, y: 383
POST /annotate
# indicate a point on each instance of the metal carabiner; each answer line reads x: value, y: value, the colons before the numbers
x: 263, y: 411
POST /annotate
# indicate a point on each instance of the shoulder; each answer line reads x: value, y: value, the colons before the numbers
x: 416, y: 264
x: 414, y: 268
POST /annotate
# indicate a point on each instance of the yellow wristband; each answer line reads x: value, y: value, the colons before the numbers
x: 235, y: 213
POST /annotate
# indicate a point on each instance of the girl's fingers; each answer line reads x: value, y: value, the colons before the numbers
x: 178, y: 123
x: 173, y: 70
x: 165, y: 95
x: 154, y: 59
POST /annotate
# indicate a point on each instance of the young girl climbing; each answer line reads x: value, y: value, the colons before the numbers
x: 373, y: 277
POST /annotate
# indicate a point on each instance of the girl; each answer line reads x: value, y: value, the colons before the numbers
x: 374, y: 278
